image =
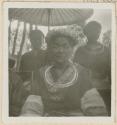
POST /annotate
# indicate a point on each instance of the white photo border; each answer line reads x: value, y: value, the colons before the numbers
x: 5, y: 116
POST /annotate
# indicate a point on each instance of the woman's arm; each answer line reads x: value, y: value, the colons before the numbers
x: 33, y: 106
x: 92, y: 104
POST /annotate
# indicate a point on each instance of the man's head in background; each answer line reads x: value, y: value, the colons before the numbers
x: 92, y: 31
x: 36, y: 39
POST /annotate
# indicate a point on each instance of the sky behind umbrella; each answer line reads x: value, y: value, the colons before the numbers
x: 104, y: 17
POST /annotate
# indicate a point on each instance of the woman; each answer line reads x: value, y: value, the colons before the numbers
x: 61, y: 87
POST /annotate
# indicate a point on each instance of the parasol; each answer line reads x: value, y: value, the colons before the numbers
x: 50, y: 16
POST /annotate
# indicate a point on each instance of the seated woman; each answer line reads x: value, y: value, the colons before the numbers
x: 62, y: 88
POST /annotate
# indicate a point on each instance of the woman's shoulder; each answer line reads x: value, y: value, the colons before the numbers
x: 42, y: 69
x: 83, y: 80
x: 81, y: 68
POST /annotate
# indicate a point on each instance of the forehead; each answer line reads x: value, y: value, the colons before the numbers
x: 61, y: 40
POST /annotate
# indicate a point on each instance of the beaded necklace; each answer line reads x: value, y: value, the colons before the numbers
x: 54, y: 86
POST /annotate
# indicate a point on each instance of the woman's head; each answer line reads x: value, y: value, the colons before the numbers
x: 60, y: 46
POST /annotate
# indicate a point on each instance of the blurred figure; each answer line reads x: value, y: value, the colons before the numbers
x: 96, y: 58
x: 61, y: 87
x: 16, y: 91
x: 11, y: 63
x: 106, y: 40
x: 32, y: 60
x: 79, y: 34
x: 93, y: 55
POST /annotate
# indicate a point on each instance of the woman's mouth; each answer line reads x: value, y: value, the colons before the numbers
x: 60, y: 55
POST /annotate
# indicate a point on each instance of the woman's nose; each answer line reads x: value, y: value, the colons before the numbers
x: 61, y: 49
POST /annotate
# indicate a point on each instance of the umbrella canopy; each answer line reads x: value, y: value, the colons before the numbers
x: 50, y: 16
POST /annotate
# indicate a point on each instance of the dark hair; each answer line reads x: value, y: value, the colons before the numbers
x: 91, y: 26
x: 52, y: 37
x: 36, y: 34
x: 11, y: 63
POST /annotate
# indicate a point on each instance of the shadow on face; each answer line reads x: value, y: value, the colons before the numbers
x: 60, y: 49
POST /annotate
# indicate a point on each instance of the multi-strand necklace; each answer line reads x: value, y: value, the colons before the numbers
x: 54, y: 86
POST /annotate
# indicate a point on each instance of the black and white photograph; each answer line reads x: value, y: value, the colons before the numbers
x: 59, y: 60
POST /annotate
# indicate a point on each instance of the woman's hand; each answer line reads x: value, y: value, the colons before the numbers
x: 27, y: 85
x: 96, y: 111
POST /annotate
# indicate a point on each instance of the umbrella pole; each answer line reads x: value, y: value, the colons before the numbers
x: 49, y: 11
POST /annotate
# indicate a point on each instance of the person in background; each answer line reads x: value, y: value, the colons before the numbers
x: 106, y: 39
x: 96, y: 57
x: 16, y: 90
x: 31, y: 61
x: 34, y: 59
x: 61, y: 87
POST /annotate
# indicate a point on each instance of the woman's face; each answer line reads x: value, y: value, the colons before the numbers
x: 61, y: 50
